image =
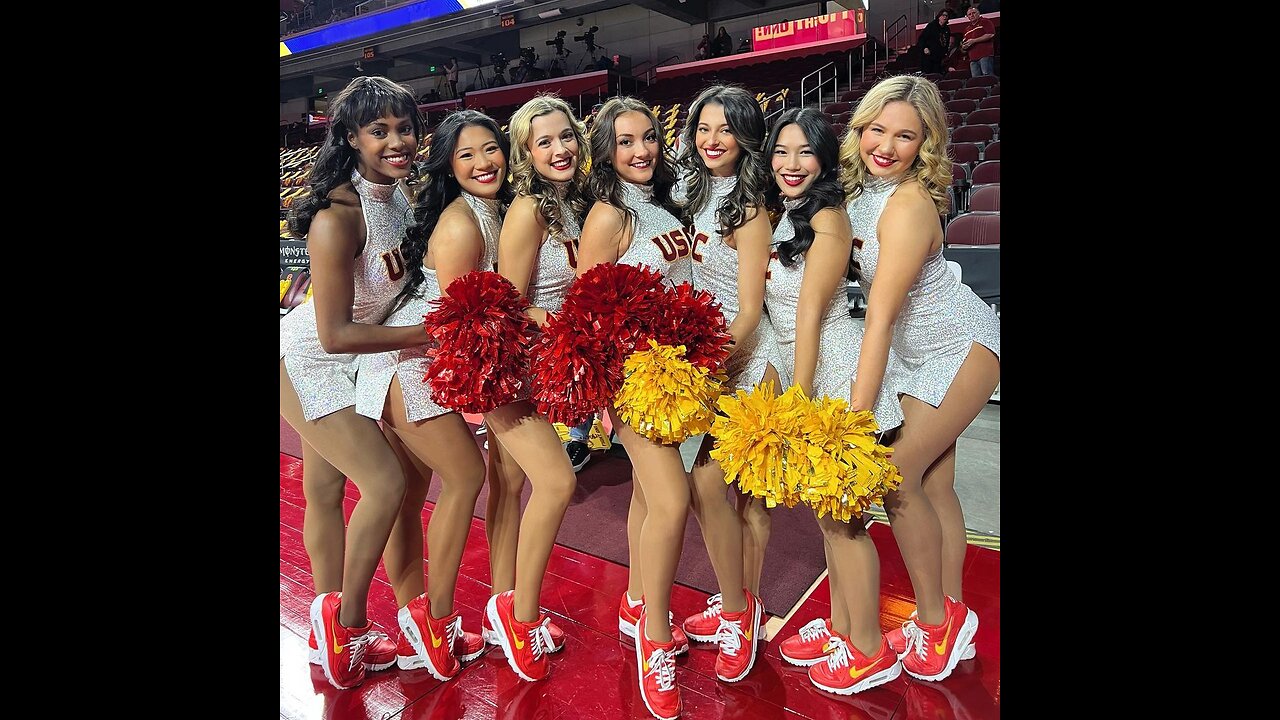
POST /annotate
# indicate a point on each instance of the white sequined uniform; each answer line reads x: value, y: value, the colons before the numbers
x: 411, y: 364
x: 326, y: 382
x: 556, y: 262
x: 715, y: 269
x: 658, y: 240
x: 841, y: 338
x: 940, y: 318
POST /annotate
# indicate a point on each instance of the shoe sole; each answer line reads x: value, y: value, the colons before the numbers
x: 963, y: 638
x: 491, y: 610
x: 315, y: 658
x: 879, y: 678
x: 419, y: 646
x: 415, y: 663
x: 640, y: 679
x: 801, y: 663
x: 576, y: 468
x: 755, y: 633
x: 317, y: 626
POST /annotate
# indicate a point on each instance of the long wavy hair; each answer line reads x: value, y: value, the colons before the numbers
x: 439, y: 188
x: 825, y: 191
x: 526, y: 181
x: 932, y: 166
x: 362, y: 101
x: 746, y: 120
x: 603, y: 179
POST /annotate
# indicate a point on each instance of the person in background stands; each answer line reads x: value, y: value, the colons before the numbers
x: 935, y: 43
x: 978, y: 43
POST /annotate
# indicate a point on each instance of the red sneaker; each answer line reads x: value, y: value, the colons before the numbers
x: 935, y: 649
x: 468, y: 646
x: 738, y: 634
x: 379, y: 655
x: 848, y: 671
x: 431, y: 639
x: 809, y: 646
x: 898, y: 640
x: 705, y: 626
x: 656, y: 668
x: 491, y: 635
x: 629, y: 616
x: 343, y: 648
x: 524, y: 644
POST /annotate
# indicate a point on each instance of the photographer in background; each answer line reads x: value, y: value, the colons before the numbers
x: 451, y: 75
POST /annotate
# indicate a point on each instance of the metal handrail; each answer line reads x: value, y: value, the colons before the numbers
x: 819, y: 83
x: 886, y: 26
x: 648, y: 75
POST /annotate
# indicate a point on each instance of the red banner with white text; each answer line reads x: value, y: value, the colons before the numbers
x: 813, y: 29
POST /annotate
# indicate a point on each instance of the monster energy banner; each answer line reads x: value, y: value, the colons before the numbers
x: 293, y: 254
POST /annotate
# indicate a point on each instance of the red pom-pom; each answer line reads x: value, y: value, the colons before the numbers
x: 616, y: 302
x: 692, y: 318
x: 575, y: 372
x: 577, y: 364
x: 484, y: 342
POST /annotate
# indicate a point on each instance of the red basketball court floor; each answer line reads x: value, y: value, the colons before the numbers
x: 594, y: 677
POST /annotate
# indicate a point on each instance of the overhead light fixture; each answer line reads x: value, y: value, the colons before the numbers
x: 547, y: 14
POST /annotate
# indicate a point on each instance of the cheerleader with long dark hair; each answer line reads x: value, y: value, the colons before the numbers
x: 809, y: 307
x: 725, y: 174
x: 454, y: 230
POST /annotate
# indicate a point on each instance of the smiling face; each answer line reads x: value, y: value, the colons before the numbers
x: 635, y: 147
x: 384, y: 148
x: 715, y: 141
x: 478, y: 162
x: 795, y: 165
x: 891, y: 142
x: 553, y: 146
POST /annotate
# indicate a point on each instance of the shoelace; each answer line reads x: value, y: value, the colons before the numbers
x: 540, y: 638
x: 814, y: 630
x: 715, y: 606
x: 662, y: 664
x: 453, y: 631
x: 916, y: 636
x: 729, y: 633
x: 908, y: 637
x: 839, y: 657
x: 357, y: 646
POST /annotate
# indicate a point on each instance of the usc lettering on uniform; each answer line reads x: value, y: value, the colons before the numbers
x: 698, y: 239
x: 394, y: 262
x: 573, y: 257
x: 673, y: 245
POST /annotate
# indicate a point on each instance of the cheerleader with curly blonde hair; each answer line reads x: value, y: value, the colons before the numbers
x: 537, y: 253
x: 946, y: 344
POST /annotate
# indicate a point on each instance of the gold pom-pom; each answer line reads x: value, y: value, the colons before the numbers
x: 849, y: 471
x: 757, y: 442
x: 664, y: 397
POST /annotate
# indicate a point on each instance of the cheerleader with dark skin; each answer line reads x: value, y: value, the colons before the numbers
x: 352, y: 219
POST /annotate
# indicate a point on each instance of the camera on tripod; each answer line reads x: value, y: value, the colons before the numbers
x: 528, y: 56
x: 588, y: 37
x: 558, y: 42
x: 499, y: 60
